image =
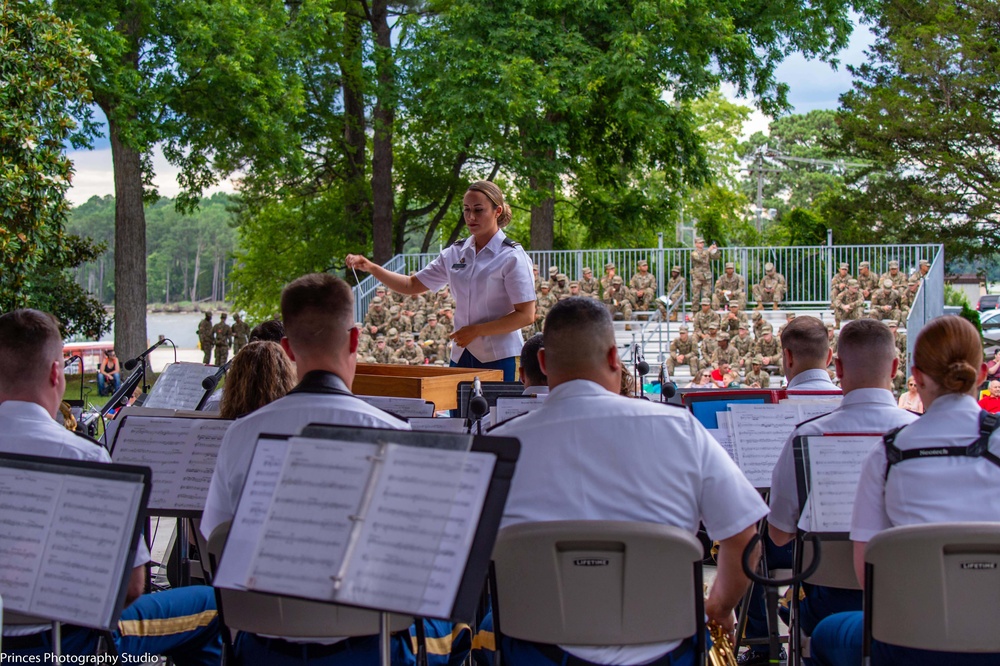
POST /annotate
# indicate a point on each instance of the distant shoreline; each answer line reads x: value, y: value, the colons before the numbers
x: 182, y: 306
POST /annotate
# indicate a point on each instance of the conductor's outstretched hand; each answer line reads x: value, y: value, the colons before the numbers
x: 359, y: 263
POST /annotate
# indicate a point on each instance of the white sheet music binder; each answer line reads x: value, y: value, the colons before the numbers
x: 378, y: 525
x: 68, y: 534
x: 179, y: 386
x: 181, y: 453
x: 827, y: 472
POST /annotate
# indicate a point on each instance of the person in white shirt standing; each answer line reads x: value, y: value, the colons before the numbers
x: 490, y: 278
x: 590, y: 454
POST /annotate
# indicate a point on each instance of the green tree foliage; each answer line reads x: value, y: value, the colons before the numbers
x: 923, y: 110
x: 43, y: 68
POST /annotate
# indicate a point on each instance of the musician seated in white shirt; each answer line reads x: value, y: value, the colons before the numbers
x: 589, y: 454
x: 805, y: 349
x: 531, y: 375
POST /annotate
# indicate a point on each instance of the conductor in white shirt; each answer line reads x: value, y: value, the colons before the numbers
x: 591, y: 454
x: 490, y: 278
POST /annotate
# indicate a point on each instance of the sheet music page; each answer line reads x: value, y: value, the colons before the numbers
x: 508, y: 408
x: 133, y: 410
x: 722, y: 433
x: 810, y: 409
x: 415, y: 537
x: 834, y: 470
x: 181, y: 453
x: 255, y: 500
x: 309, y: 524
x: 437, y: 424
x: 179, y: 386
x: 403, y: 407
x: 759, y: 432
x: 27, y: 505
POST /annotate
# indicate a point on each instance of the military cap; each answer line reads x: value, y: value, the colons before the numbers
x: 892, y: 323
x: 562, y: 276
x: 756, y: 315
x: 705, y: 301
x: 432, y: 316
x: 377, y: 300
x: 766, y: 328
x: 608, y: 265
x: 448, y: 308
x: 223, y: 315
x: 843, y: 267
x: 924, y: 262
x: 712, y: 325
x: 789, y: 316
x: 675, y: 269
x: 864, y: 264
x: 887, y: 283
x: 699, y: 239
x: 914, y: 279
x: 734, y: 305
x: 393, y: 332
x: 769, y: 267
x: 379, y: 288
x: 723, y: 336
x: 574, y: 283
x: 893, y: 264
x: 553, y: 270
x: 757, y: 360
x: 394, y: 309
x: 587, y: 269
x: 407, y: 337
x: 642, y: 262
x: 616, y: 279
x: 380, y: 337
x: 852, y: 283
x: 829, y: 327
x: 534, y: 267
x: 743, y: 325
x: 730, y: 264
x: 545, y: 285
x: 683, y: 328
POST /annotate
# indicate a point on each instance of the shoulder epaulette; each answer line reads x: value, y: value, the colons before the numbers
x: 83, y: 435
x: 460, y: 241
x: 509, y: 243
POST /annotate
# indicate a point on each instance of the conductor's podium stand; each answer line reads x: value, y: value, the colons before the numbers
x: 427, y: 382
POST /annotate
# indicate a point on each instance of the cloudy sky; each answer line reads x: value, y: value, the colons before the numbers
x: 813, y: 85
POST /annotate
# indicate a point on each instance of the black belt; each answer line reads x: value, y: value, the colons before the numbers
x: 556, y: 654
x: 306, y: 650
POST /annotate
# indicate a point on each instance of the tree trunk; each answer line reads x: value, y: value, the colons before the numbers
x: 130, y: 246
x: 383, y: 118
x: 184, y: 273
x: 215, y: 279
x: 197, y: 270
x: 357, y: 204
x: 543, y: 218
x: 167, y: 296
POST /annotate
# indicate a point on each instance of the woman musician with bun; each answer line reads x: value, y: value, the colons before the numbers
x: 947, y: 368
x: 490, y: 278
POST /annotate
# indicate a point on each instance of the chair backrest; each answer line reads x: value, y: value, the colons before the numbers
x: 598, y: 582
x: 935, y: 587
x: 289, y: 617
x: 836, y: 566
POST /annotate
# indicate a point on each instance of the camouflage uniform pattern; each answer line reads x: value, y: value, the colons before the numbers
x: 642, y: 288
x: 885, y: 304
x: 222, y: 334
x: 771, y: 288
x: 736, y: 287
x: 688, y: 349
x: 617, y: 299
x: 702, y: 320
x: 241, y: 334
x: 701, y: 272
x: 205, y: 337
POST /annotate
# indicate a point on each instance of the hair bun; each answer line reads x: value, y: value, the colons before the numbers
x: 505, y: 215
x: 961, y: 377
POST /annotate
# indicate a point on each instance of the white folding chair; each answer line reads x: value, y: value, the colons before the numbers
x: 934, y: 587
x: 598, y: 583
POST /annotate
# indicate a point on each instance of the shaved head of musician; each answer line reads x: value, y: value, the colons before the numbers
x: 318, y: 313
x: 589, y: 454
x: 31, y: 359
x: 805, y: 349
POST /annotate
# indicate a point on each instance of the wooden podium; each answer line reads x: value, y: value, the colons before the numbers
x: 428, y: 382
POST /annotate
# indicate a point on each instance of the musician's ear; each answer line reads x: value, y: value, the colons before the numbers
x: 541, y: 360
x: 288, y: 349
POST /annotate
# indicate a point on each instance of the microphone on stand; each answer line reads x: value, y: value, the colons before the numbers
x: 668, y: 388
x: 209, y: 383
x: 478, y: 406
x: 70, y: 361
x: 132, y: 362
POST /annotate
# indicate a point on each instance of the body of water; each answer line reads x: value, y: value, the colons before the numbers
x: 181, y: 327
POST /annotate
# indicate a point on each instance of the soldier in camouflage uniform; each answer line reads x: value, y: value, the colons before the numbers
x: 758, y: 323
x: 553, y: 278
x: 867, y: 281
x: 574, y: 290
x: 838, y: 284
x: 907, y: 298
x: 377, y: 319
x: 770, y: 289
x: 205, y: 337
x: 443, y: 299
x: 538, y: 281
x: 733, y: 319
x: 365, y: 344
x: 757, y: 377
x: 222, y: 335
x: 561, y: 290
x: 392, y: 341
x: 589, y: 285
x: 701, y: 270
x: 744, y: 345
x: 609, y: 275
x: 900, y: 337
x: 709, y: 343
x: 898, y: 278
x: 850, y: 304
x: 675, y: 290
x: 885, y: 302
x: 543, y: 304
x: 922, y: 270
x: 446, y: 317
x: 834, y: 341
x: 683, y: 351
x: 381, y: 353
x: 435, y: 334
x: 410, y: 352
x: 397, y: 319
x: 703, y: 318
x: 413, y: 308
x: 769, y: 349
x: 642, y: 287
x: 725, y: 353
x: 241, y: 334
x: 617, y: 300
x: 729, y: 287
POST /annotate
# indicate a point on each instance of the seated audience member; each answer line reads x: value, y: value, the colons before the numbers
x: 910, y: 399
x: 531, y: 375
x: 806, y: 353
x: 590, y: 454
x: 272, y: 330
x: 991, y: 402
x: 109, y: 373
x: 260, y: 374
x: 993, y: 367
x: 181, y: 623
x: 702, y: 380
x: 320, y: 337
x: 947, y: 367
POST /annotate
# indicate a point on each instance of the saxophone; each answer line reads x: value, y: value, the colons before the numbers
x: 721, y: 652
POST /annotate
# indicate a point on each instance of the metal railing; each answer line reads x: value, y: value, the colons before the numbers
x: 807, y: 269
x: 928, y: 304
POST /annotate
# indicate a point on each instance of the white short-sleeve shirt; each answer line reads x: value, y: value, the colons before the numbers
x: 930, y: 490
x: 485, y: 286
x: 285, y: 416
x: 812, y: 380
x: 869, y: 411
x: 590, y: 454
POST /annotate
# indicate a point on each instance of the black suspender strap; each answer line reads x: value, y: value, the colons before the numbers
x: 977, y: 449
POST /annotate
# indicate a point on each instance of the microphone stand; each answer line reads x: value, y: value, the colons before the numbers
x: 141, y: 359
x: 209, y: 383
x: 478, y: 407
